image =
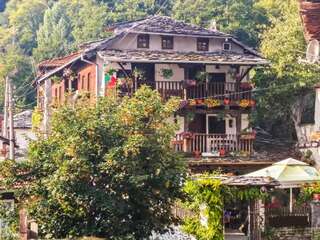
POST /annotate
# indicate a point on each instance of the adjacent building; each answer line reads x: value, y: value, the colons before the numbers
x: 208, y: 69
x: 310, y: 15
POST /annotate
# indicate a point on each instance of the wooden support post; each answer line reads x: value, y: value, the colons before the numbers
x: 11, y: 127
x: 47, y: 101
x: 5, y: 110
x: 23, y: 224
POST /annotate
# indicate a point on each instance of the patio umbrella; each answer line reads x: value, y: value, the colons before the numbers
x: 290, y: 173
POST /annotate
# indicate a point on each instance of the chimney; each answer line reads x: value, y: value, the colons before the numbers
x: 213, y: 25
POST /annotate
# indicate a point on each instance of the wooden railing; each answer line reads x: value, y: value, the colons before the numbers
x: 209, y: 143
x: 168, y: 89
x: 283, y: 217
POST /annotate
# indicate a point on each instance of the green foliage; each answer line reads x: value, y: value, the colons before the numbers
x: 207, y: 192
x: 245, y: 19
x: 54, y: 36
x: 288, y: 82
x: 9, y: 221
x: 128, y: 10
x: 105, y: 171
x: 307, y: 192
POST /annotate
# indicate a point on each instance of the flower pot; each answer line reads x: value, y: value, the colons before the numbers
x: 200, y: 101
x: 222, y: 152
x: 316, y: 196
x: 190, y: 83
x: 226, y: 101
x: 197, y: 154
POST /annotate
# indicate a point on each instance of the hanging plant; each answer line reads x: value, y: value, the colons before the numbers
x: 201, y: 76
x: 166, y: 73
x: 138, y: 73
x: 55, y: 79
x: 211, y: 103
x: 110, y: 71
x: 190, y: 116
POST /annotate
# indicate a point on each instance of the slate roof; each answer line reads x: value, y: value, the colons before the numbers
x: 167, y: 25
x: 57, y: 62
x: 181, y: 57
x: 310, y: 14
x: 23, y: 119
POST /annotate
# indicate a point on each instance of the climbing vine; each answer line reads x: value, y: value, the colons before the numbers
x: 206, y: 197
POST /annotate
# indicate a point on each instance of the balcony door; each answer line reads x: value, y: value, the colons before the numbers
x: 147, y: 73
x: 215, y: 125
x: 216, y: 84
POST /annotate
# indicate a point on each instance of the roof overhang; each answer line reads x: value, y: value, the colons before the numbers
x: 125, y: 57
x: 58, y: 69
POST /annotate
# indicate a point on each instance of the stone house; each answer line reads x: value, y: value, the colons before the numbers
x: 208, y: 69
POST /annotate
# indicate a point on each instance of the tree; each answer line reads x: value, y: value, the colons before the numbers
x: 242, y: 18
x: 54, y: 35
x: 13, y: 58
x: 128, y: 10
x: 105, y: 170
x: 88, y: 19
x: 25, y: 20
x: 290, y: 83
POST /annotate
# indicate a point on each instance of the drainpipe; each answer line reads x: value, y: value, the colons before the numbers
x: 97, y: 78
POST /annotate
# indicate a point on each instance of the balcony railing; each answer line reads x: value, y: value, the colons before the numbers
x: 215, y: 144
x: 167, y: 89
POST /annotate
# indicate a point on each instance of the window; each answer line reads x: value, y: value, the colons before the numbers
x: 226, y: 46
x: 203, y: 44
x: 167, y: 42
x: 82, y: 82
x: 88, y: 83
x: 143, y: 41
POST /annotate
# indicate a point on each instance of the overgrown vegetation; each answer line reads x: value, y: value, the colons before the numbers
x: 206, y: 196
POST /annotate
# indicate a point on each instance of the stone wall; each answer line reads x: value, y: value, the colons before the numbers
x: 289, y: 234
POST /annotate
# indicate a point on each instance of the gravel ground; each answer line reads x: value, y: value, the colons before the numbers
x: 175, y: 234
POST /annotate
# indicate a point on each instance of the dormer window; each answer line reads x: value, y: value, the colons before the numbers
x: 227, y: 46
x: 167, y: 42
x: 143, y: 41
x: 203, y: 44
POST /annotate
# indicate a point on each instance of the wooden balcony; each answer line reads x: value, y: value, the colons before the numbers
x: 167, y: 89
x: 215, y: 145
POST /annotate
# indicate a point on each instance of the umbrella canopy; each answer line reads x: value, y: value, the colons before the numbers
x: 289, y: 173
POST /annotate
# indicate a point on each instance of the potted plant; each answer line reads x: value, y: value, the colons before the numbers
x: 244, y: 103
x: 222, y: 152
x: 192, y: 102
x: 201, y: 76
x: 200, y: 101
x: 187, y: 135
x: 190, y: 83
x: 211, y: 103
x: 226, y: 101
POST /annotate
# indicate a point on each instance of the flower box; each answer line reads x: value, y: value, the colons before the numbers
x: 248, y: 136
